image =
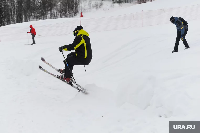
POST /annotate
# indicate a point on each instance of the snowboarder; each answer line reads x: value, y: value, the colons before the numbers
x: 81, y: 56
x: 33, y: 33
x: 182, y: 28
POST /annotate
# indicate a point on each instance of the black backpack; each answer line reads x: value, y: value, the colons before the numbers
x: 184, y: 22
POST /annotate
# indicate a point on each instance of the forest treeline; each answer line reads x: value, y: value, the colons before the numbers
x: 18, y: 11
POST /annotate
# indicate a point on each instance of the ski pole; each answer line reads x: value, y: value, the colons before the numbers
x: 27, y: 38
x: 64, y: 58
x: 85, y: 68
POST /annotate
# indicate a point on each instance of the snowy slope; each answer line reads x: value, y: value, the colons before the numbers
x: 135, y: 83
x: 115, y: 10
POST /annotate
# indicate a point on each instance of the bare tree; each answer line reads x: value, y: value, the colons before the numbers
x: 19, y: 11
x: 12, y: 9
x: 2, y: 23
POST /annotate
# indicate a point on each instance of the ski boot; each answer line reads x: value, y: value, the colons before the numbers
x: 174, y: 51
x: 68, y: 80
x: 62, y: 71
x: 187, y: 48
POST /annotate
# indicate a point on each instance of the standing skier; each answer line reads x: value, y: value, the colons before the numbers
x: 33, y: 33
x: 81, y: 56
x: 182, y: 28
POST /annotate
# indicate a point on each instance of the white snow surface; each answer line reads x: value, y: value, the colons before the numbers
x: 135, y: 83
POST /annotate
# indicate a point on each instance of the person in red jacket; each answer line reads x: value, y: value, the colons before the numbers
x: 33, y: 33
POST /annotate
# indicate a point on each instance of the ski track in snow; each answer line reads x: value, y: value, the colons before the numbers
x: 135, y: 83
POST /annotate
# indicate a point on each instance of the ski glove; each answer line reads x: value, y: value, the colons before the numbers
x: 61, y: 48
x: 182, y: 38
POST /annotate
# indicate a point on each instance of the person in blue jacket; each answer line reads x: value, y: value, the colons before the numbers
x: 182, y: 28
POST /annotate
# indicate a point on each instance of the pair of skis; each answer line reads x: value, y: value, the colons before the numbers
x: 74, y: 84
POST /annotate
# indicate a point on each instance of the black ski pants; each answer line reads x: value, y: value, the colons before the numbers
x: 178, y: 39
x: 70, y: 61
x: 33, y: 36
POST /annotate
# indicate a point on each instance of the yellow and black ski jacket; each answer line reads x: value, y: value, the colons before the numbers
x: 82, y: 47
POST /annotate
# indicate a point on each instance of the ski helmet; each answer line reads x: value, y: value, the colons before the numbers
x: 75, y: 32
x: 172, y: 19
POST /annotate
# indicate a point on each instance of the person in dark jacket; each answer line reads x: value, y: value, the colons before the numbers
x: 33, y: 33
x: 81, y: 56
x: 182, y: 28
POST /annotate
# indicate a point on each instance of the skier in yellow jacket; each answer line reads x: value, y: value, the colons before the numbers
x: 81, y: 56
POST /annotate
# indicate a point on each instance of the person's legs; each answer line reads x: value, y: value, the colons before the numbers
x: 177, y: 41
x: 69, y: 64
x: 185, y: 43
x: 33, y: 36
x: 184, y: 40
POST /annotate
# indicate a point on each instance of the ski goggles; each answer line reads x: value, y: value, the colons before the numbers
x: 75, y: 32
